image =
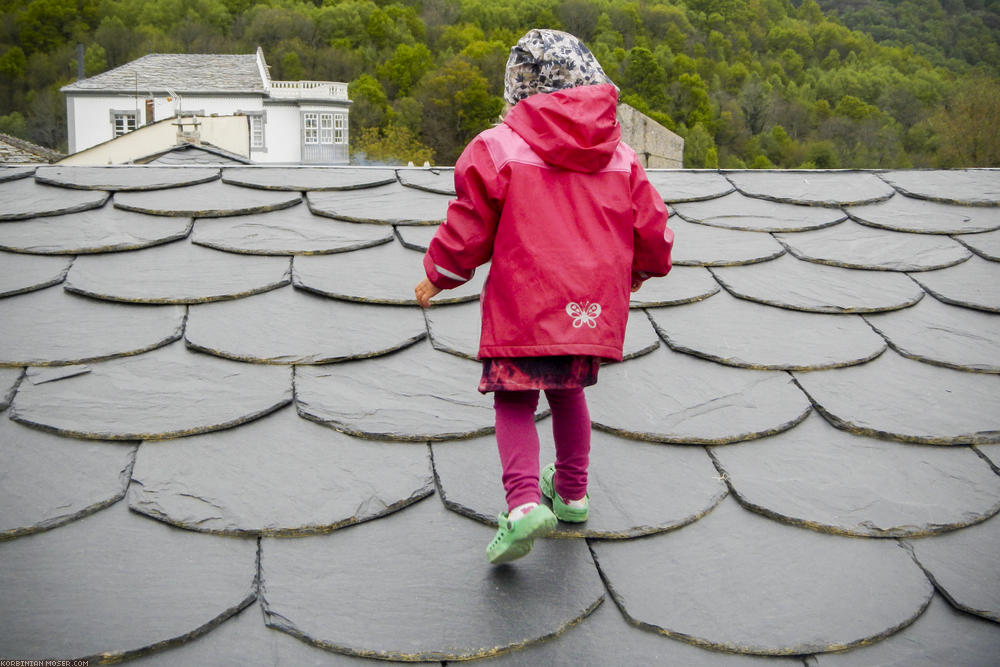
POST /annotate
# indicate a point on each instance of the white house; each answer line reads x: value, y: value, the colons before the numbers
x: 289, y: 121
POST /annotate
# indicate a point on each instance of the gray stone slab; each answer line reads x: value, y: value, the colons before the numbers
x: 421, y: 589
x: 906, y: 214
x: 178, y: 272
x: 14, y: 173
x: 387, y: 204
x: 53, y: 327
x: 973, y: 187
x: 855, y: 246
x: 636, y: 488
x: 166, y: 393
x: 295, y: 231
x: 766, y: 338
x: 26, y: 273
x: 791, y: 283
x: 9, y: 379
x: 737, y: 211
x: 416, y: 238
x: 290, y: 326
x: 986, y: 245
x: 384, y: 274
x: 684, y: 284
x: 307, y: 178
x: 279, y: 475
x: 115, y: 585
x: 49, y: 481
x: 43, y: 374
x: 972, y: 284
x: 941, y: 636
x: 208, y: 200
x: 738, y: 582
x: 818, y: 477
x: 668, y: 396
x: 24, y: 198
x: 963, y: 566
x: 899, y: 399
x: 992, y: 455
x: 682, y: 186
x: 124, y: 178
x: 441, y: 181
x: 416, y: 395
x: 814, y: 188
x: 701, y: 245
x: 945, y: 335
x: 98, y: 230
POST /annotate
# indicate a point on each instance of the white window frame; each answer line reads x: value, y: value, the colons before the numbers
x: 340, y: 128
x: 123, y: 122
x: 258, y: 134
x: 326, y: 128
x: 310, y: 127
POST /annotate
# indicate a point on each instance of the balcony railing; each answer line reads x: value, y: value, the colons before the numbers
x: 326, y: 90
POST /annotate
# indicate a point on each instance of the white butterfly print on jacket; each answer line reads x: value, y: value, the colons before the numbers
x: 585, y: 314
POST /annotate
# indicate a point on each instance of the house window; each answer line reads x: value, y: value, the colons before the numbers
x: 256, y: 130
x: 340, y: 128
x: 326, y: 128
x: 310, y: 122
x: 123, y: 122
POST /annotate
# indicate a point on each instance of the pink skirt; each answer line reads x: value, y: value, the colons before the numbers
x: 523, y: 373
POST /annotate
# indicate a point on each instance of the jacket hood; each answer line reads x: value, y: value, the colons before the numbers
x: 575, y: 129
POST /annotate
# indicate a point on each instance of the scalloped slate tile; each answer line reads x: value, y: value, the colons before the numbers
x: 701, y: 245
x: 166, y: 393
x: 668, y: 396
x: 635, y: 488
x: 951, y: 186
x: 416, y: 395
x: 292, y: 232
x: 9, y: 378
x: 315, y: 481
x: 683, y: 186
x: 814, y: 188
x: 899, y: 399
x: 24, y: 198
x: 438, y: 598
x: 441, y: 181
x: 124, y: 178
x: 986, y: 245
x: 973, y: 284
x: 102, y: 230
x: 791, y: 283
x: 52, y: 327
x: 311, y: 178
x: 683, y: 284
x: 962, y: 565
x: 26, y: 273
x: 945, y: 335
x: 818, y: 477
x: 416, y: 238
x: 49, y: 480
x: 207, y: 200
x: 906, y: 214
x: 178, y: 272
x: 384, y: 274
x: 117, y: 585
x: 737, y: 211
x: 14, y: 173
x: 853, y: 246
x: 738, y: 582
x: 290, y: 326
x: 387, y: 204
x: 765, y: 338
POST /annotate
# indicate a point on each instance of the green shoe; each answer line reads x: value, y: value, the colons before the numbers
x: 562, y: 511
x: 514, y: 539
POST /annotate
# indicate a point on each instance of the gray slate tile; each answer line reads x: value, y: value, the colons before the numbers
x: 416, y: 238
x: 973, y: 187
x: 26, y: 273
x: 818, y: 477
x: 742, y: 583
x: 49, y: 481
x: 766, y: 338
x: 992, y: 455
x: 114, y: 585
x: 683, y: 186
x: 737, y: 211
x: 179, y: 272
x: 14, y: 173
x: 124, y: 178
x: 900, y: 399
x: 279, y: 475
x: 291, y: 326
x: 986, y: 245
x: 208, y: 200
x: 635, y: 488
x: 701, y: 245
x: 668, y: 396
x: 51, y: 326
x: 24, y: 198
x: 299, y: 178
x: 441, y: 181
x: 905, y: 214
x: 166, y: 393
x: 684, y: 284
x: 437, y: 597
x: 98, y: 230
x: 387, y: 204
x: 814, y: 188
x: 9, y: 378
x: 973, y: 284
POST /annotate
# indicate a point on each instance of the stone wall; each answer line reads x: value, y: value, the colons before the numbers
x: 656, y: 146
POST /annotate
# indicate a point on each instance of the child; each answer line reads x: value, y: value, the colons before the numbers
x: 564, y: 209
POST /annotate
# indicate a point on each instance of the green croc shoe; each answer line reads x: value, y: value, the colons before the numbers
x: 562, y: 511
x: 514, y: 539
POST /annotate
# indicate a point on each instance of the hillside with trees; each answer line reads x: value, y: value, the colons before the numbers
x: 747, y: 83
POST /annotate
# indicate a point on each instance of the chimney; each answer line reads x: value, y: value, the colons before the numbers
x: 79, y: 62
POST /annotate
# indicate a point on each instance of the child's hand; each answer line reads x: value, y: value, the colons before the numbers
x: 424, y: 291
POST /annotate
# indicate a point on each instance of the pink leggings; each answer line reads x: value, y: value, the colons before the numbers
x: 517, y: 440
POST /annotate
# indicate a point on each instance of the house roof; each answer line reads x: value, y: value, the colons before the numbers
x: 178, y: 72
x: 230, y: 435
x: 18, y: 151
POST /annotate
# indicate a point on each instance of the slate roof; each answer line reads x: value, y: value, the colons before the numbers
x: 179, y: 72
x: 230, y: 436
x: 18, y: 151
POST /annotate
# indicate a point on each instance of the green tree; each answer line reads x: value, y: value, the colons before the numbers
x: 404, y: 68
x: 395, y: 144
x: 645, y: 77
x: 370, y: 108
x: 967, y: 125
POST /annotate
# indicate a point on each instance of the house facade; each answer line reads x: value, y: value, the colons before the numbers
x: 287, y: 121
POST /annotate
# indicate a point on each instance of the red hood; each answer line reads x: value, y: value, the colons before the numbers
x: 574, y: 129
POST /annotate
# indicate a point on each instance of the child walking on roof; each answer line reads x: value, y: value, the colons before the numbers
x: 564, y: 209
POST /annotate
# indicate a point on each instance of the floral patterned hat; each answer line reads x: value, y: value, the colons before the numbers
x: 544, y: 61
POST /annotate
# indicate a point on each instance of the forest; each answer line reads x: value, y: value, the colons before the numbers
x: 747, y: 83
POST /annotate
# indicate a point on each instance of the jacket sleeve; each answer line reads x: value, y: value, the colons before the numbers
x: 652, y: 239
x: 465, y: 240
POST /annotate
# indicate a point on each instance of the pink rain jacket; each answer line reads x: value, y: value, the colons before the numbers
x: 564, y: 209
